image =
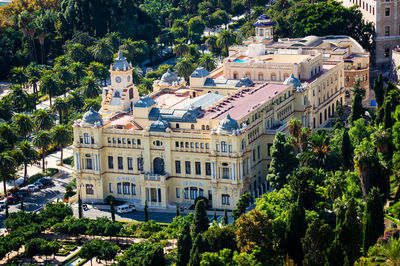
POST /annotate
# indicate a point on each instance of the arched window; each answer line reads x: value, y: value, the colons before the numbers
x: 207, y: 127
x: 203, y: 127
x: 191, y: 126
x: 248, y: 75
x: 177, y: 125
x: 285, y: 76
x: 235, y: 75
x: 260, y: 76
x: 273, y: 76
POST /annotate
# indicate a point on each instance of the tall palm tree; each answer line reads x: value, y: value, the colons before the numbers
x: 211, y: 43
x: 225, y: 39
x: 181, y: 49
x: 42, y: 140
x: 305, y: 133
x: 7, y: 167
x: 8, y: 134
x: 62, y: 137
x: 60, y: 106
x: 208, y: 62
x: 25, y: 23
x: 79, y: 72
x: 90, y: 87
x: 75, y: 100
x: 102, y: 51
x: 23, y: 124
x: 365, y: 160
x: 29, y: 153
x: 41, y: 30
x: 184, y: 67
x: 33, y: 72
x: 19, y: 98
x: 43, y: 119
x: 50, y: 85
x: 91, y: 103
x: 65, y: 75
x: 147, y: 83
x: 294, y: 126
x: 18, y: 76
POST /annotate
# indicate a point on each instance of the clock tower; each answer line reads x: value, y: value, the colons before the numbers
x: 122, y: 93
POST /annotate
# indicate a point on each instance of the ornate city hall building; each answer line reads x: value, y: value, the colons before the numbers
x: 211, y: 138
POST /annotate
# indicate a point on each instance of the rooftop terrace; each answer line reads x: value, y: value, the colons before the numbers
x: 244, y: 101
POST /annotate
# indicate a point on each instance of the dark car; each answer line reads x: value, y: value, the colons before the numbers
x: 46, y: 181
x: 12, y: 199
x: 22, y: 193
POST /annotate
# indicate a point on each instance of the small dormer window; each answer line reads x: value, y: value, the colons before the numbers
x: 191, y: 126
x: 177, y: 125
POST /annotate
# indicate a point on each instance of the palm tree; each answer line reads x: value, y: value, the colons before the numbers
x: 304, y: 136
x: 294, y: 126
x: 136, y: 76
x: 42, y: 140
x: 18, y: 76
x: 30, y: 155
x: 211, y: 43
x: 62, y: 137
x: 102, y: 51
x: 365, y: 160
x: 181, y: 49
x: 41, y: 30
x: 25, y: 23
x: 33, y: 72
x: 7, y: 133
x: 78, y: 71
x: 64, y: 74
x: 90, y: 87
x: 7, y: 167
x: 225, y: 39
x: 23, y: 124
x: 208, y: 62
x: 61, y: 106
x: 50, y: 84
x: 91, y: 103
x: 184, y: 67
x: 43, y: 119
x: 19, y: 98
x: 147, y: 83
x: 389, y: 252
x: 75, y: 100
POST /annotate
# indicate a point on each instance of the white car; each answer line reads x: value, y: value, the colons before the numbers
x: 32, y: 188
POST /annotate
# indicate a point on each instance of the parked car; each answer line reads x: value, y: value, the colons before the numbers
x: 22, y: 193
x: 38, y: 184
x: 12, y: 199
x: 46, y: 181
x: 32, y: 188
x: 3, y: 203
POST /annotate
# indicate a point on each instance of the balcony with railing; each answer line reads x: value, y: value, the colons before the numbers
x: 155, y: 177
x: 278, y: 128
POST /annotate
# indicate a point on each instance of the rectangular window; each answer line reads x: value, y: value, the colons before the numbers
x: 191, y: 145
x: 110, y: 162
x: 187, y: 167
x: 120, y: 163
x: 110, y: 186
x: 114, y: 140
x: 208, y: 169
x: 130, y: 163
x: 218, y: 147
x: 201, y: 192
x: 119, y: 140
x: 140, y: 164
x: 126, y: 186
x: 178, y: 193
x: 86, y: 137
x: 254, y: 155
x: 226, y: 200
x: 123, y: 141
x: 387, y: 30
x: 225, y: 173
x: 223, y: 146
x: 202, y: 145
x: 387, y: 11
x: 193, y: 193
x: 81, y: 139
x: 178, y: 167
x: 186, y: 193
x: 89, y: 164
x: 230, y: 148
x: 89, y: 189
x: 176, y: 144
x: 198, y: 168
x: 129, y: 142
x: 119, y: 188
x: 186, y: 144
x: 139, y: 142
x: 133, y: 189
x: 207, y: 146
x: 109, y: 140
x: 134, y: 141
x: 197, y: 145
x: 258, y: 152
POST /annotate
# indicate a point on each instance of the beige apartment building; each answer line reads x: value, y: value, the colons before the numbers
x: 385, y: 15
x: 211, y: 138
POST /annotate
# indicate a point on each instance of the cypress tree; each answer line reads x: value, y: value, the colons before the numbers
x: 373, y: 219
x: 177, y: 210
x: 200, y: 220
x: 357, y: 109
x: 146, y: 214
x: 347, y: 150
x: 242, y: 204
x: 335, y: 254
x: 200, y: 245
x: 295, y: 230
x: 378, y: 89
x: 112, y: 210
x: 80, y: 215
x: 6, y: 209
x: 184, y: 246
x: 215, y: 216
x: 22, y: 205
x: 350, y: 235
x: 225, y: 219
x: 387, y: 119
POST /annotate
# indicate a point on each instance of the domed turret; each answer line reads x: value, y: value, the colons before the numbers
x: 169, y: 77
x: 159, y: 125
x: 228, y: 124
x: 295, y: 81
x: 200, y: 72
x: 144, y: 102
x: 121, y: 64
x: 92, y: 117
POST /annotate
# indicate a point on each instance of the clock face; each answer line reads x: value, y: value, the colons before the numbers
x: 118, y: 79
